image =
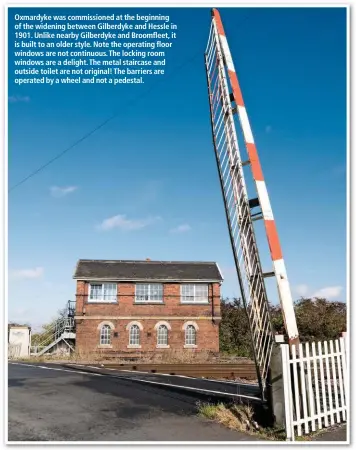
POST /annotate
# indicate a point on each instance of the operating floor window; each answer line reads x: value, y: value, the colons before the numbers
x: 102, y: 292
x: 151, y: 293
x: 194, y: 293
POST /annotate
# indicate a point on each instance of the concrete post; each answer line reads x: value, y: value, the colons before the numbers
x: 276, y: 383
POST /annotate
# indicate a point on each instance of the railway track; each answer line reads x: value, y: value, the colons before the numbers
x: 244, y: 370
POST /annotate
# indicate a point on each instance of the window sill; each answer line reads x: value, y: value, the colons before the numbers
x: 133, y: 346
x: 162, y: 346
x: 194, y: 303
x: 190, y: 346
x: 102, y: 302
x: 105, y: 346
x: 149, y: 303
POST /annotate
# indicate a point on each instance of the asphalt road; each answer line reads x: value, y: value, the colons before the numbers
x: 60, y: 404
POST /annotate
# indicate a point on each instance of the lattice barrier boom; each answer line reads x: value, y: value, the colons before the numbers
x: 262, y: 200
x: 237, y: 205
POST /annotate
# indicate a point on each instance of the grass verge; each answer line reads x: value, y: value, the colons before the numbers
x: 240, y: 418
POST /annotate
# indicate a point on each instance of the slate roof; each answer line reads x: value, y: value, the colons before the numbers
x: 91, y: 269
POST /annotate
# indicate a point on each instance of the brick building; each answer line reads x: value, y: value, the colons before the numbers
x: 125, y: 306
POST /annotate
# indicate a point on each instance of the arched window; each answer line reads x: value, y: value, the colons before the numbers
x: 105, y: 335
x: 190, y: 335
x: 162, y: 335
x: 134, y: 335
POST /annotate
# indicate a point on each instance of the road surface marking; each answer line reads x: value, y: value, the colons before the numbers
x: 54, y: 368
x: 196, y: 389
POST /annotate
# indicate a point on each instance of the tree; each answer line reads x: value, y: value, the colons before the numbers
x: 16, y: 324
x: 48, y: 329
x: 318, y: 319
x: 234, y: 328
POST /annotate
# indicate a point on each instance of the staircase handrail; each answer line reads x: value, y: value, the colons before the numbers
x: 56, y: 330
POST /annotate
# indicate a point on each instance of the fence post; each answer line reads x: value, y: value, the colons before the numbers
x: 345, y: 372
x: 276, y: 388
x: 344, y: 336
x: 288, y: 395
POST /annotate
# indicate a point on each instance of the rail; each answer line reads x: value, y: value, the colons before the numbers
x: 244, y: 370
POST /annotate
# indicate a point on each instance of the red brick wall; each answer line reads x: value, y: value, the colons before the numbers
x: 88, y: 336
x: 120, y: 314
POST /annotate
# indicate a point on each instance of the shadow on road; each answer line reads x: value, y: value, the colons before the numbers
x: 166, y: 401
x: 16, y: 382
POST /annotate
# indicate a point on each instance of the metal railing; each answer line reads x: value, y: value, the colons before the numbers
x: 71, y: 308
x: 66, y: 324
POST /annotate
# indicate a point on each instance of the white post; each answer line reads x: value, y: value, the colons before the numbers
x: 344, y: 336
x: 288, y: 398
x: 29, y: 341
x: 344, y: 371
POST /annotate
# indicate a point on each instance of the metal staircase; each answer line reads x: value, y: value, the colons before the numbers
x: 60, y: 336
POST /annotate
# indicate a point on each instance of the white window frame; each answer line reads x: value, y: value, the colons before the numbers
x: 160, y: 344
x: 169, y: 328
x: 149, y: 300
x: 109, y: 336
x: 135, y: 345
x: 101, y: 299
x: 193, y: 299
x: 189, y: 345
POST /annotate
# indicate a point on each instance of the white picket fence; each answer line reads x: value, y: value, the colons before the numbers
x: 315, y: 383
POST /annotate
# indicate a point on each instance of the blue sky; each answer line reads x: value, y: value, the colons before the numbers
x: 153, y: 170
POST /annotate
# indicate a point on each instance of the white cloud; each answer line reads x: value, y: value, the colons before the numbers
x: 58, y: 192
x: 181, y: 228
x: 18, y: 98
x: 329, y: 292
x: 268, y: 129
x: 123, y: 223
x: 23, y: 274
x: 302, y: 290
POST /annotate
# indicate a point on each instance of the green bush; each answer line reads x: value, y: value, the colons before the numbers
x: 317, y: 319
